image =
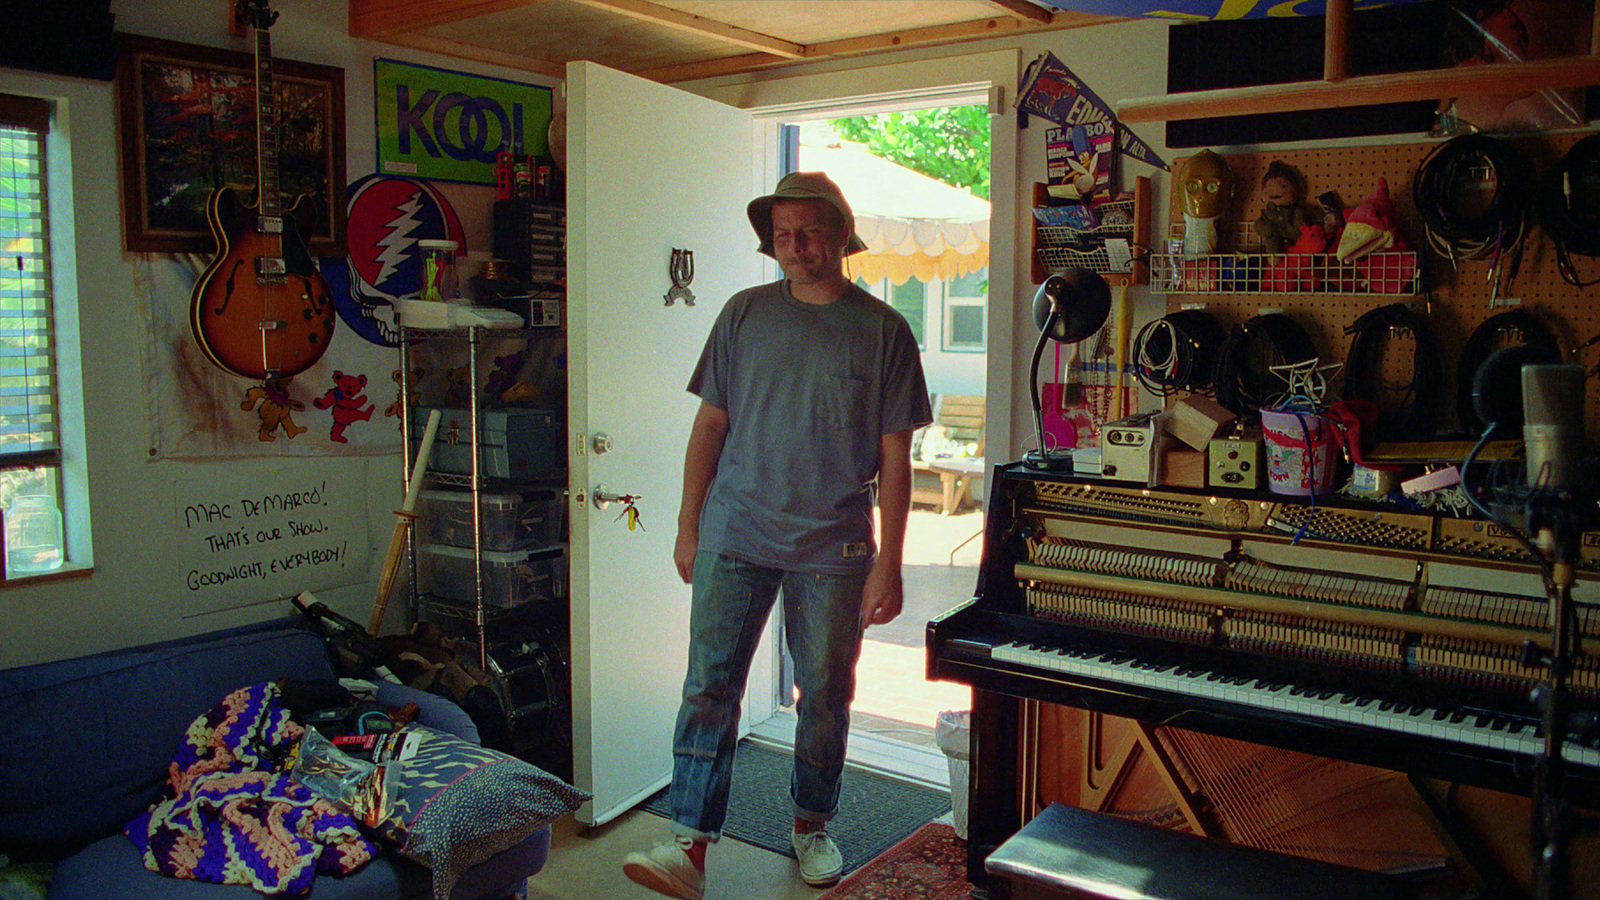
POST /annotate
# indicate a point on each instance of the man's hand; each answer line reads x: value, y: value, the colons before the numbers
x: 882, y: 594
x: 683, y: 551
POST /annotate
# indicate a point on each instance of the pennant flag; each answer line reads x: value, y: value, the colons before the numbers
x: 1049, y: 89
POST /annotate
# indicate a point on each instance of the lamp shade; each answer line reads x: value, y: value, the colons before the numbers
x: 1081, y: 300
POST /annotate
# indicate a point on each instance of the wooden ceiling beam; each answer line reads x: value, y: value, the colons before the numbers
x: 419, y: 41
x: 1022, y: 9
x: 378, y: 18
x: 1365, y: 90
x: 893, y: 40
x: 673, y: 18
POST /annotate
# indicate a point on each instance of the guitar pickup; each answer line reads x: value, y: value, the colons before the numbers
x: 271, y: 268
x: 269, y: 224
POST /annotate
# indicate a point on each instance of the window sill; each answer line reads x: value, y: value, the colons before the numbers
x: 66, y: 572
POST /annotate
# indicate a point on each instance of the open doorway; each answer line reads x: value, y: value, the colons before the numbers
x: 917, y: 180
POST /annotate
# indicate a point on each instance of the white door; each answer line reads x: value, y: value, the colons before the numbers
x: 651, y: 169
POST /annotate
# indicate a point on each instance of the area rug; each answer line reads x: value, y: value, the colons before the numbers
x: 929, y: 865
x: 874, y: 812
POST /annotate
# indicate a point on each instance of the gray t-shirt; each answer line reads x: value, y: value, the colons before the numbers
x: 809, y: 391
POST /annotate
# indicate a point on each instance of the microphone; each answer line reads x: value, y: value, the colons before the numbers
x: 1552, y: 426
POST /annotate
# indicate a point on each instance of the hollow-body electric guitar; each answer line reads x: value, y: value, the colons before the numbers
x: 260, y: 309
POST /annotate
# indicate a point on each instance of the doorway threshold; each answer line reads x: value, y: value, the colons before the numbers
x: 868, y: 753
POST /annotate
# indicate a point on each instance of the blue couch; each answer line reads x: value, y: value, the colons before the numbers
x: 87, y: 743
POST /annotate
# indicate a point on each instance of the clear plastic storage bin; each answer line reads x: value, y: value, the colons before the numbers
x: 510, y: 578
x: 519, y: 520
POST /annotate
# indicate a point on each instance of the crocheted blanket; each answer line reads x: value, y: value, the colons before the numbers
x: 230, y: 815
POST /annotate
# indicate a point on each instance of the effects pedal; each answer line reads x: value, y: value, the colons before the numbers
x: 1234, y: 461
x: 1126, y: 446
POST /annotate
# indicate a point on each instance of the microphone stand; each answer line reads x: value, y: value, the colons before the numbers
x: 1552, y: 522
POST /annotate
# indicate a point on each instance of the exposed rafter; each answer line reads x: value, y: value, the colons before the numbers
x: 376, y: 18
x: 1022, y: 9
x: 446, y: 26
x: 672, y: 18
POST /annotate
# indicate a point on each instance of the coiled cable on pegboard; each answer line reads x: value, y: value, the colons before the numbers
x: 1472, y: 194
x: 1178, y: 352
x: 1244, y: 381
x: 1417, y: 416
x: 1568, y: 207
x: 1514, y: 326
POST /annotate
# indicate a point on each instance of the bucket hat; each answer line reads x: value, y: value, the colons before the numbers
x: 802, y: 186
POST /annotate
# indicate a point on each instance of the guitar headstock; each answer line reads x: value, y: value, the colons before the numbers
x: 254, y: 13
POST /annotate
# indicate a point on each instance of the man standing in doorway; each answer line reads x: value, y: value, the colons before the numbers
x: 810, y: 389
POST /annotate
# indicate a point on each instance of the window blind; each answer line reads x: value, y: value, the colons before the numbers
x: 29, y: 417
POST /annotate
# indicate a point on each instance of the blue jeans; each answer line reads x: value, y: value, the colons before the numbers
x: 822, y: 621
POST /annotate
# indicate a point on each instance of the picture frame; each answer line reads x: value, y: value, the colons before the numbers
x: 188, y: 126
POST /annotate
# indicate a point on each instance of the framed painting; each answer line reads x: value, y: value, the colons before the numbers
x: 188, y: 118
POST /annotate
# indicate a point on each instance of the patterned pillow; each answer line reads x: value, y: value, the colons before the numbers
x: 455, y: 804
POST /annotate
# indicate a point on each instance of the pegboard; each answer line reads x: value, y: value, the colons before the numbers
x: 1454, y: 301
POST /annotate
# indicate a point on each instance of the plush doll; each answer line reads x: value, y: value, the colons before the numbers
x: 1295, y: 269
x: 1369, y: 227
x: 1369, y: 230
x: 1283, y: 214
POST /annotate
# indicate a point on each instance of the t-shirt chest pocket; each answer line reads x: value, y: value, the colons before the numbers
x: 845, y: 400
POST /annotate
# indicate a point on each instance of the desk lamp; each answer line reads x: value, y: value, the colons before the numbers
x: 1070, y: 306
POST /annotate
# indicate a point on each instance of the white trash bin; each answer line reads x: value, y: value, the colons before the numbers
x: 953, y: 733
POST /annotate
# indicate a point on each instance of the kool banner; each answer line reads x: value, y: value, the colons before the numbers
x: 450, y: 126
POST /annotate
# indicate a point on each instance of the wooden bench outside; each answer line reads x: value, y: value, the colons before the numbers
x: 961, y: 420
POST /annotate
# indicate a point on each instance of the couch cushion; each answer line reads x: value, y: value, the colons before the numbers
x: 89, y: 739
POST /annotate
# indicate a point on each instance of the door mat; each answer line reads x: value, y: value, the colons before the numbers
x: 929, y: 865
x: 874, y: 812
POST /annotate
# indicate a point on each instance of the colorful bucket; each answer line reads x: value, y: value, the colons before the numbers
x: 1290, y: 468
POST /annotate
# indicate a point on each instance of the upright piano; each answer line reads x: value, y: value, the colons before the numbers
x: 1351, y: 631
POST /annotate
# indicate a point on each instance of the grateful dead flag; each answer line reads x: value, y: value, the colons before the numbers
x: 1050, y: 89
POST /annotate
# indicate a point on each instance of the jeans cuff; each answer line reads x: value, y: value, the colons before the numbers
x: 694, y: 834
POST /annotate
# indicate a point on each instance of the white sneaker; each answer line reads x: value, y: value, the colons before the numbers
x: 666, y: 869
x: 818, y: 856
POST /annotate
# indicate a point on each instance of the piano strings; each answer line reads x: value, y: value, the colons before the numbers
x: 1457, y: 635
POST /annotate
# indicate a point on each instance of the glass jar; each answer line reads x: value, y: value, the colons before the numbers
x: 438, y: 270
x: 33, y: 535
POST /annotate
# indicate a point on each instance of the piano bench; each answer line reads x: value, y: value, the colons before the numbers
x: 1075, y: 854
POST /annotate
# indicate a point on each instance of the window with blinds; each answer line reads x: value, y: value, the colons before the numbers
x: 29, y: 420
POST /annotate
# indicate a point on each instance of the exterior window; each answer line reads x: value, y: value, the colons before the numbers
x: 30, y: 440
x: 911, y: 300
x: 965, y: 311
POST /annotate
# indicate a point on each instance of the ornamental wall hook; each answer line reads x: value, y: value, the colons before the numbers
x: 681, y: 270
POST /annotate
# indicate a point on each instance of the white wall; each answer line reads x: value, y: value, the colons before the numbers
x: 131, y: 597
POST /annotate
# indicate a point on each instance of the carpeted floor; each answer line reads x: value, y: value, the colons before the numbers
x: 929, y: 865
x: 874, y: 812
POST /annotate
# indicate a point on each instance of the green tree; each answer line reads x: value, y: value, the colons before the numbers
x: 950, y: 144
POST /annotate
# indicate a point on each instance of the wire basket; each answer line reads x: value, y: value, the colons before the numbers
x: 1064, y: 246
x: 1251, y: 271
x: 1389, y: 272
